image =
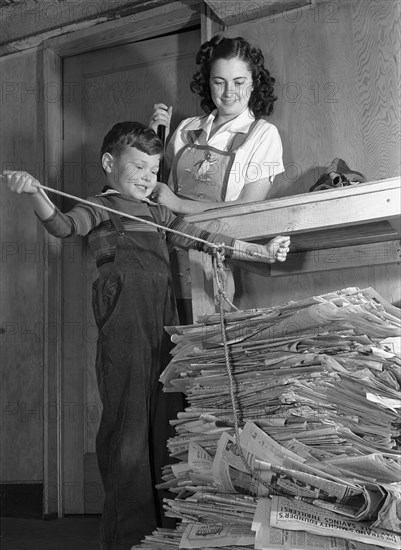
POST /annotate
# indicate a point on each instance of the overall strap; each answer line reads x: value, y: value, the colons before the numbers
x: 114, y: 218
x: 118, y: 224
x: 153, y: 209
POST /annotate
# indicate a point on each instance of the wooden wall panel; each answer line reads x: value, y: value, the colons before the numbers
x: 254, y: 290
x: 376, y: 50
x: 337, y: 81
x: 336, y: 68
x: 21, y: 280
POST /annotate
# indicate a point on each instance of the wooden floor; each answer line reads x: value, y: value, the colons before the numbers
x: 70, y: 533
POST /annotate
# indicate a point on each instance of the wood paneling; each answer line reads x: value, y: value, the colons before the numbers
x: 376, y: 51
x: 339, y: 258
x: 255, y: 291
x: 23, y: 331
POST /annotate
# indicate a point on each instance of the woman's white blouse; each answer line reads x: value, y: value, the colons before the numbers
x: 260, y: 157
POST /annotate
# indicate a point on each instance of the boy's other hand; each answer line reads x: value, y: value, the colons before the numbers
x: 21, y: 182
x: 277, y: 249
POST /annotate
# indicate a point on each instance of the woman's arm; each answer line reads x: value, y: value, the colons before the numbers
x: 255, y: 191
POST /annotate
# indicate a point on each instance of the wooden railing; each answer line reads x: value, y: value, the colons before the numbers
x: 333, y: 229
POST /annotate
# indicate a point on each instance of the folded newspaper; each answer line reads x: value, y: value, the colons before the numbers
x: 315, y: 460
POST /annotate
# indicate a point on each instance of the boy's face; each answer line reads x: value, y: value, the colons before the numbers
x: 132, y: 173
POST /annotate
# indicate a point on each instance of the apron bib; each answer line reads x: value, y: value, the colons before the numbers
x: 201, y: 172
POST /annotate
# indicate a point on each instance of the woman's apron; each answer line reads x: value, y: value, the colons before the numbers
x: 201, y: 173
x: 132, y: 303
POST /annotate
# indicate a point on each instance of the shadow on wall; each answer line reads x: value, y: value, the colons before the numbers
x: 285, y: 186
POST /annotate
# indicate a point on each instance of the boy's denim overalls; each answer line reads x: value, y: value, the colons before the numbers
x: 132, y: 303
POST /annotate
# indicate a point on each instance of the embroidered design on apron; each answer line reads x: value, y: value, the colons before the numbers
x: 201, y: 168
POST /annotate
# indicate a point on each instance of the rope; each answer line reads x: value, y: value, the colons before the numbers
x: 135, y: 218
x: 131, y: 217
x: 219, y: 266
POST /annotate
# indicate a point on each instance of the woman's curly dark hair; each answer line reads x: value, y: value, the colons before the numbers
x: 262, y: 97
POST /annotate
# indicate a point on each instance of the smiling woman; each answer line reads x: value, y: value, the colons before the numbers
x: 229, y: 156
x: 232, y: 154
x: 231, y: 86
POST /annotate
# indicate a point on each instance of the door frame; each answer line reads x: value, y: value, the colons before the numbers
x: 154, y: 22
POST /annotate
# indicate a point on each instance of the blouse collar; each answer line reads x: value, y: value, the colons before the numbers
x: 239, y: 124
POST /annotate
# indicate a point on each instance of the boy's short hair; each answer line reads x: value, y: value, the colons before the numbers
x: 131, y: 134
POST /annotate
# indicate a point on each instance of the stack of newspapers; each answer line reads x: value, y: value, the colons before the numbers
x: 291, y: 434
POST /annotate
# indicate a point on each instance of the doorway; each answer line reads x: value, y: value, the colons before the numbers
x: 101, y: 88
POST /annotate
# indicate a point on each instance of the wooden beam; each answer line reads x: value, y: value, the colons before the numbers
x: 396, y: 225
x: 31, y: 25
x: 376, y: 232
x: 50, y: 134
x: 236, y: 12
x: 339, y: 258
x: 135, y: 27
x: 310, y: 212
x: 81, y: 36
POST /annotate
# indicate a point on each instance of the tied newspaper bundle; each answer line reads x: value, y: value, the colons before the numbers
x: 316, y: 462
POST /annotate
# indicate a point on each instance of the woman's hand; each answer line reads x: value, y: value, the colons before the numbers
x: 162, y: 194
x: 21, y: 182
x: 161, y: 116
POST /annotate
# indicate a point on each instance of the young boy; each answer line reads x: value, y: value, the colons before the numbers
x: 132, y: 302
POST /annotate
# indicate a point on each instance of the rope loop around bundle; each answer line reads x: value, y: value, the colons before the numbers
x: 219, y: 269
